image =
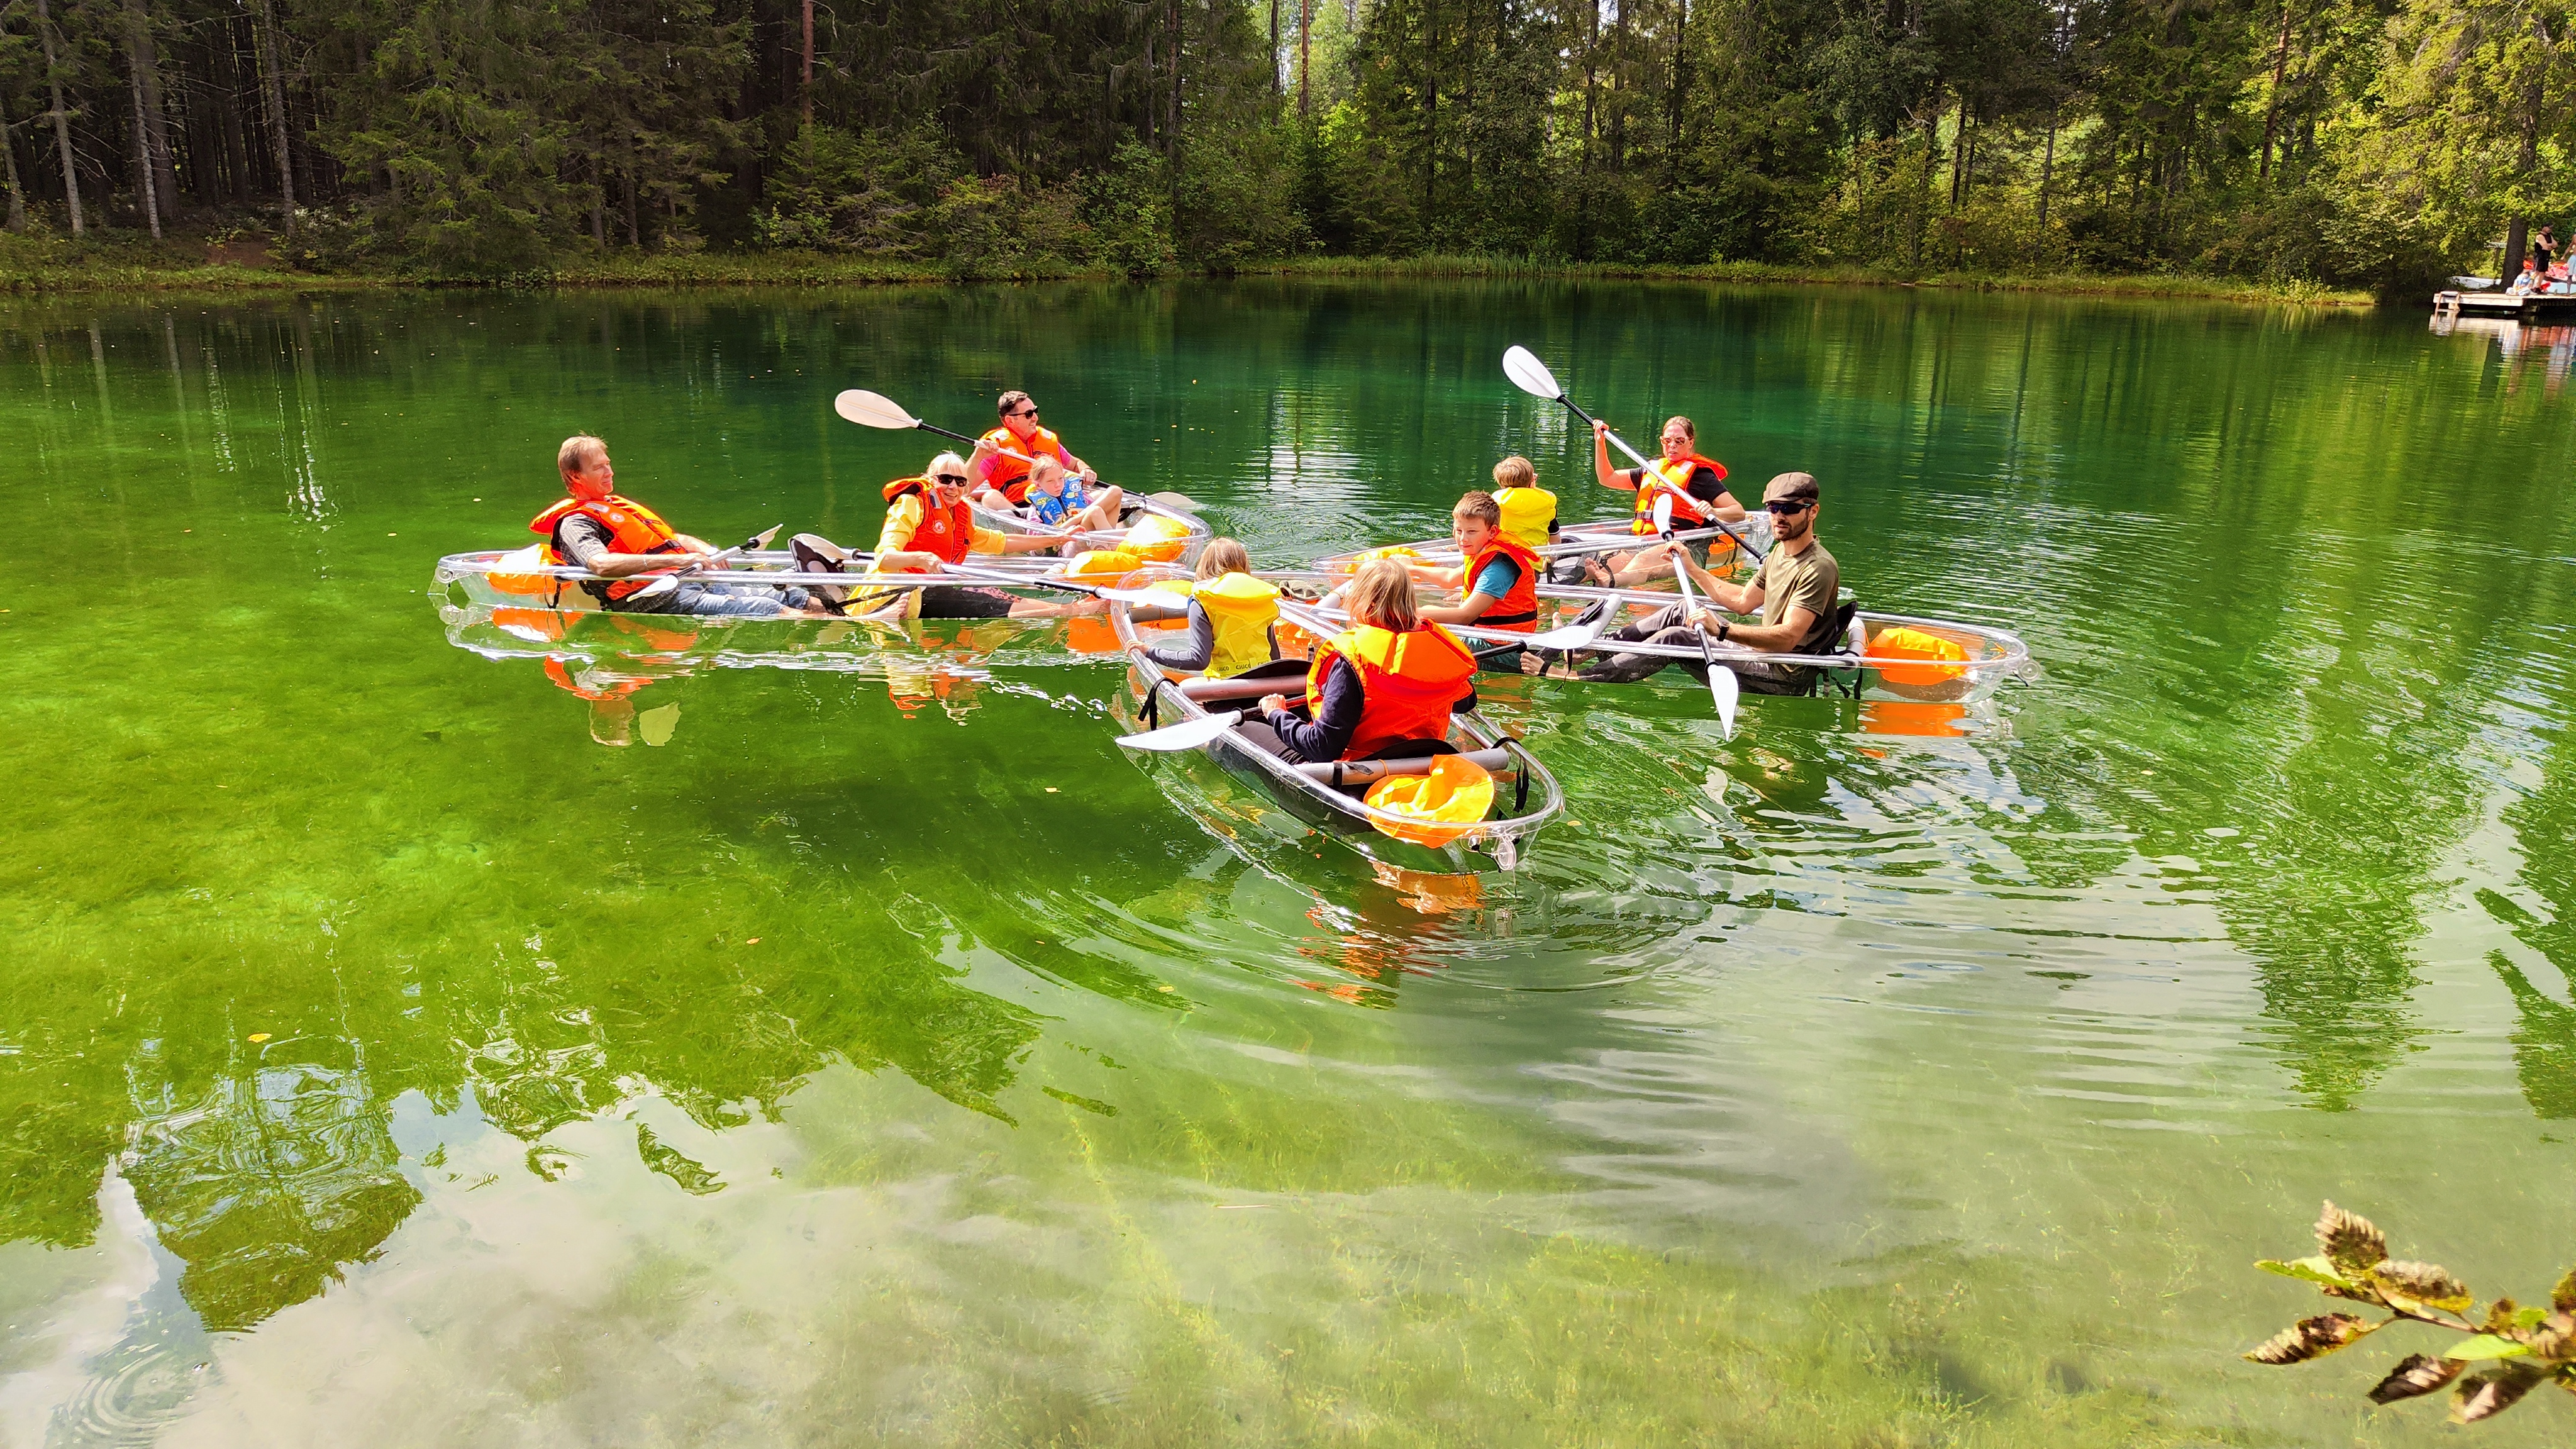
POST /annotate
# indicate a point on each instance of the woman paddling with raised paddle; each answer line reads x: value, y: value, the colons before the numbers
x: 1696, y: 486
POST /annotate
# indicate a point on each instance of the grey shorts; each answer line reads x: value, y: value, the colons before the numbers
x: 718, y: 601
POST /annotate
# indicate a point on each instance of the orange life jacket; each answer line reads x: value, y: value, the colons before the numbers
x: 947, y: 532
x: 1663, y: 479
x: 1010, y: 474
x: 1519, y: 608
x: 1407, y: 683
x: 632, y: 528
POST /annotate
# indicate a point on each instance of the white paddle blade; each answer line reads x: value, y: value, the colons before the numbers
x: 1664, y: 513
x: 1187, y: 735
x: 1572, y: 636
x: 873, y: 410
x: 1723, y: 689
x: 1530, y: 375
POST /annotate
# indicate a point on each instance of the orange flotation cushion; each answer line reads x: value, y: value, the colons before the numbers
x: 1449, y: 800
x: 1904, y: 643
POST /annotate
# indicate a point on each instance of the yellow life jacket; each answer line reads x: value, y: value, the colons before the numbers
x: 1527, y: 512
x: 1241, y: 609
x: 1157, y: 538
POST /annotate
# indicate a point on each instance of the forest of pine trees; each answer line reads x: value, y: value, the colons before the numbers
x: 2357, y: 142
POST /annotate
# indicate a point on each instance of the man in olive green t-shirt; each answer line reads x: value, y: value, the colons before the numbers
x: 1795, y: 592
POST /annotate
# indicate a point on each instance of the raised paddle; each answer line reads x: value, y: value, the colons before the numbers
x: 1722, y: 686
x: 667, y: 582
x: 1531, y: 376
x: 876, y: 410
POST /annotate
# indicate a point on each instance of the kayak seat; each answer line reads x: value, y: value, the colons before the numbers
x: 1844, y: 681
x: 1842, y: 619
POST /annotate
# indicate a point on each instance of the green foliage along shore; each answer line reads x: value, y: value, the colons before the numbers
x: 2298, y: 144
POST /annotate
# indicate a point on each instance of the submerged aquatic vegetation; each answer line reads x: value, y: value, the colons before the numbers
x: 2513, y: 1349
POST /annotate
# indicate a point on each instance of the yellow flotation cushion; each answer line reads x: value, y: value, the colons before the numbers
x: 1104, y: 561
x: 1393, y: 550
x: 1157, y: 538
x: 1452, y: 798
x: 1904, y: 643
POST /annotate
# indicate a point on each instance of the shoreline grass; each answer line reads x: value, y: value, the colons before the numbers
x: 36, y: 266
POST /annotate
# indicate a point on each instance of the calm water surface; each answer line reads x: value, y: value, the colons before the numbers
x: 880, y: 1055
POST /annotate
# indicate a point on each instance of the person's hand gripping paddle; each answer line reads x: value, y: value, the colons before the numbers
x: 667, y: 582
x: 1723, y: 689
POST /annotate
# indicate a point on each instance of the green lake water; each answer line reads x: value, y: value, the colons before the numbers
x: 878, y: 1054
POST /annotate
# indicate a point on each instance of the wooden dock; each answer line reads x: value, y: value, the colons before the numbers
x: 2534, y: 308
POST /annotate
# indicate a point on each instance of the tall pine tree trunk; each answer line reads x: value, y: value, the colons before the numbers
x: 2272, y: 107
x: 145, y: 191
x: 17, y: 192
x: 2047, y: 166
x: 146, y: 59
x: 1305, y: 58
x: 1681, y: 54
x: 1430, y: 119
x: 2517, y: 236
x: 809, y: 62
x: 272, y: 89
x: 62, y: 117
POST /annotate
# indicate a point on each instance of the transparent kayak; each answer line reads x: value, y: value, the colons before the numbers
x: 515, y: 578
x: 1883, y: 656
x: 1185, y: 532
x: 1329, y: 797
x: 1580, y: 540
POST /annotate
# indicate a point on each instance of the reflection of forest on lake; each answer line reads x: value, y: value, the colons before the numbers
x: 2296, y: 581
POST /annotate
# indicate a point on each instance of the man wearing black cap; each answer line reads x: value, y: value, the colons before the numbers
x: 1795, y: 592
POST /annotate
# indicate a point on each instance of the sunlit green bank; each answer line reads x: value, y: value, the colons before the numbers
x: 883, y: 1057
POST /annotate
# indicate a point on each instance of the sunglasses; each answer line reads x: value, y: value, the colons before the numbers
x: 953, y: 480
x: 1025, y: 413
x: 1788, y: 507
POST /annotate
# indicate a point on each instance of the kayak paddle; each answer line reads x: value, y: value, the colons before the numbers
x: 1097, y: 591
x: 1531, y: 376
x: 876, y: 410
x: 1723, y: 688
x: 667, y: 582
x: 1188, y: 734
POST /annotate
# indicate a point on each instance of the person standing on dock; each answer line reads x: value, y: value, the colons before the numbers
x: 1795, y: 592
x: 623, y: 542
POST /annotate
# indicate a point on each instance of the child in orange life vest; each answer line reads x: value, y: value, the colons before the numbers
x: 1389, y: 683
x: 1498, y: 573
